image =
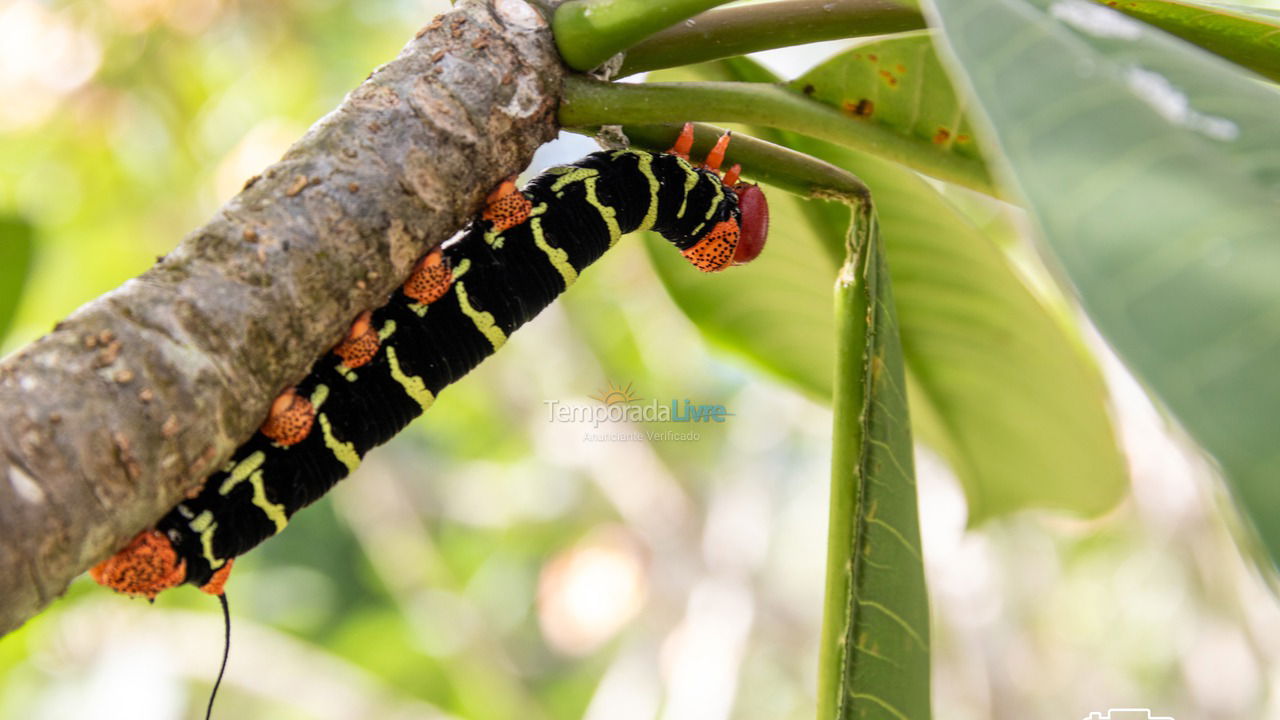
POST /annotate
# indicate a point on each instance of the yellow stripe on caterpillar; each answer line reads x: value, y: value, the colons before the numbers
x: 558, y: 257
x: 484, y: 321
x: 344, y: 451
x: 413, y: 385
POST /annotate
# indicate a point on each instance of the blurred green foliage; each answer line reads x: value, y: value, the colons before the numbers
x: 492, y: 564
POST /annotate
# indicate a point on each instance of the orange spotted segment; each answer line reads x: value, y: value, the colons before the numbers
x: 290, y: 419
x: 715, y: 251
x: 430, y: 278
x: 219, y: 579
x: 507, y: 207
x: 147, y: 566
x: 361, y: 343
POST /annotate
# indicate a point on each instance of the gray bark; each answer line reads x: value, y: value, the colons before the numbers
x: 106, y: 422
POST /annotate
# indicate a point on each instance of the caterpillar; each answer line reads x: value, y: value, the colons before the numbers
x: 459, y: 304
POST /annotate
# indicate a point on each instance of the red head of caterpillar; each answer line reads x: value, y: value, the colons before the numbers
x: 755, y: 222
x: 734, y: 241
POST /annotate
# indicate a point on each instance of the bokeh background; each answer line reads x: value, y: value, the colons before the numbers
x: 490, y: 563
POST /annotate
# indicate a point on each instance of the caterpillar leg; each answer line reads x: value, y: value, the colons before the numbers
x: 145, y: 567
x: 506, y: 207
x: 684, y: 143
x: 361, y: 344
x: 430, y: 278
x: 731, y: 177
x: 716, y: 156
x: 219, y: 580
x: 290, y: 419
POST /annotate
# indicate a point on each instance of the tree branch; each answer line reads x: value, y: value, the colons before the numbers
x: 129, y: 403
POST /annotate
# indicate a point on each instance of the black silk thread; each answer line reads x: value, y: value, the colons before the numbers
x: 226, y: 652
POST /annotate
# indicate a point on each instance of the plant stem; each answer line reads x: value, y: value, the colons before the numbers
x: 740, y: 30
x: 591, y: 103
x: 589, y: 32
x: 761, y: 161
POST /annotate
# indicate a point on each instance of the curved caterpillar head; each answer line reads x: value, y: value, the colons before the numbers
x: 740, y: 239
x: 754, y: 228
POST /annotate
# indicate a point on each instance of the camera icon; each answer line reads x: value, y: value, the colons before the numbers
x: 1126, y: 714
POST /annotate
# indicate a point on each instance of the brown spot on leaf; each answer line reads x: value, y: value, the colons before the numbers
x: 942, y: 136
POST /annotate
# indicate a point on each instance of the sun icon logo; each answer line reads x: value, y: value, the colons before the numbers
x: 616, y: 394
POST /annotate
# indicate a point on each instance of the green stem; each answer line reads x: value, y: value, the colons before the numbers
x: 589, y: 32
x: 854, y: 335
x: 740, y: 30
x: 590, y: 103
x: 761, y: 161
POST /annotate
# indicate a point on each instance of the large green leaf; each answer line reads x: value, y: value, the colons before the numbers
x: 1152, y: 168
x: 999, y: 387
x: 898, y: 83
x: 15, y: 259
x: 1247, y: 36
x: 875, y: 651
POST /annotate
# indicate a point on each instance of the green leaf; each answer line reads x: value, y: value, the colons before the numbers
x: 1001, y: 390
x: 1247, y: 36
x: 898, y: 83
x: 16, y: 236
x: 875, y: 639
x: 1152, y: 168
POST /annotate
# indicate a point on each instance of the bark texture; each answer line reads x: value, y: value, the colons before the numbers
x: 106, y: 422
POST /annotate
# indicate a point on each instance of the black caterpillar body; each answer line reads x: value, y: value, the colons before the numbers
x: 460, y: 304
